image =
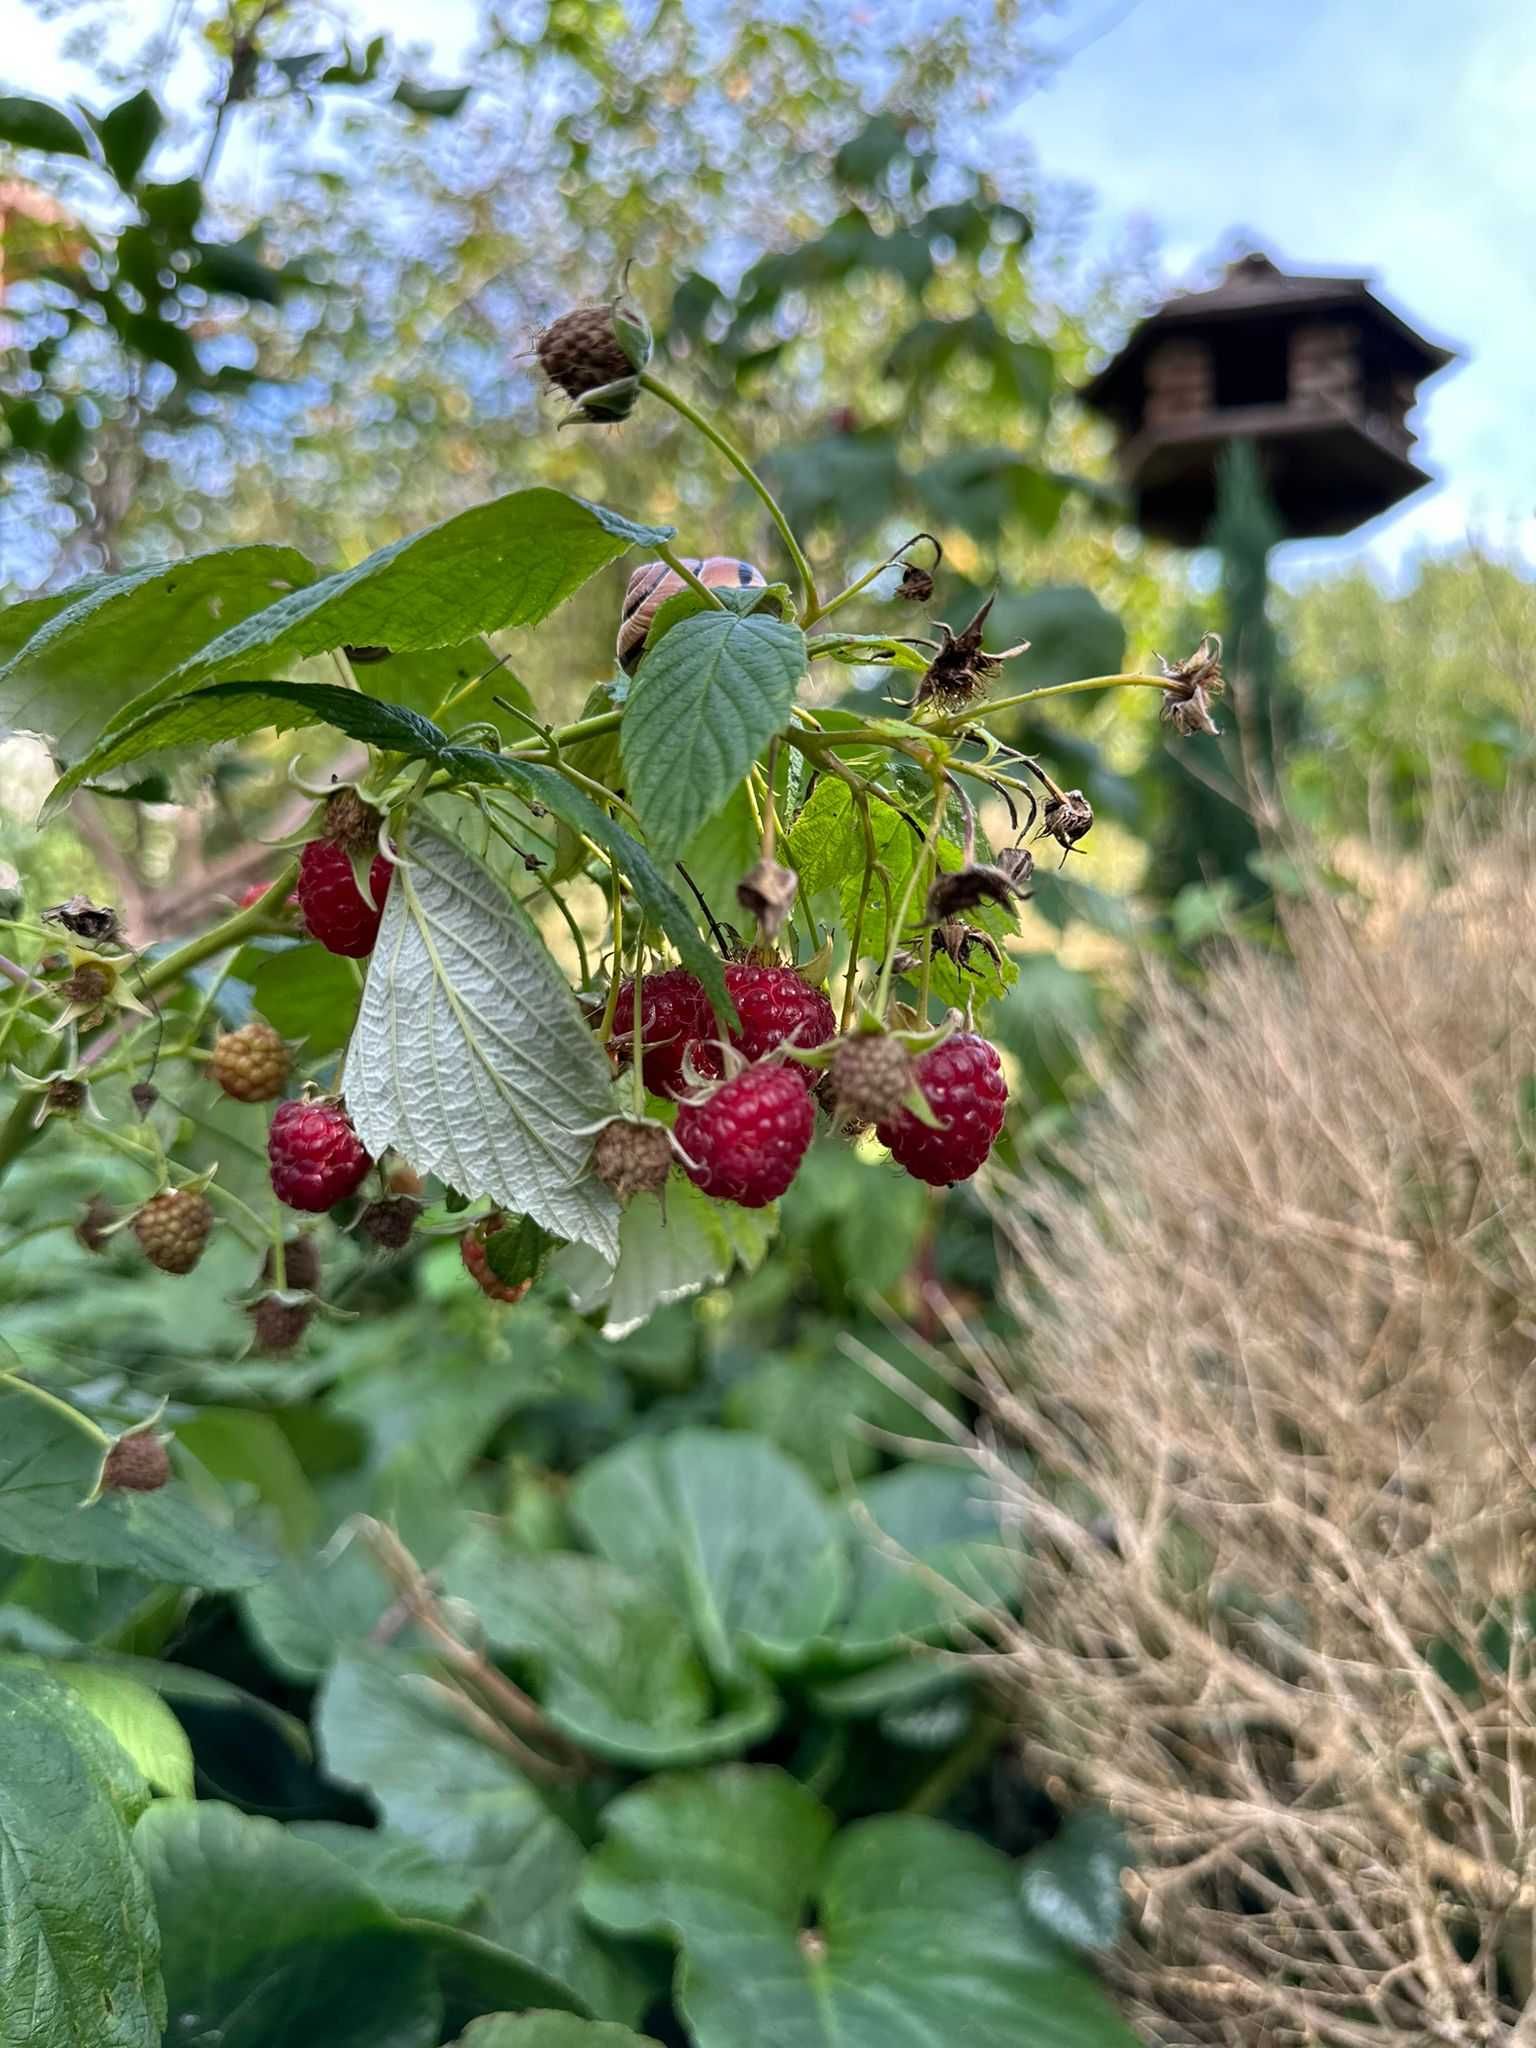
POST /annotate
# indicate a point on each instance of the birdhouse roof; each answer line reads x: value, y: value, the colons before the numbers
x: 1254, y: 288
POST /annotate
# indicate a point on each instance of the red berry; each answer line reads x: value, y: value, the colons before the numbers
x: 315, y: 1155
x: 332, y: 903
x: 746, y: 1140
x: 778, y: 1007
x: 674, y: 1017
x: 962, y: 1081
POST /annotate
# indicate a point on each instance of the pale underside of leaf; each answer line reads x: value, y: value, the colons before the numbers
x: 471, y: 1056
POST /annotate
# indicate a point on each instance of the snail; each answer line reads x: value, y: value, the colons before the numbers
x: 653, y: 583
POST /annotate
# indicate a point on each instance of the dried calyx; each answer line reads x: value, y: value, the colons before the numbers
x: 633, y: 1156
x: 768, y: 892
x: 1191, y: 685
x: 968, y: 887
x: 1066, y: 816
x: 962, y: 671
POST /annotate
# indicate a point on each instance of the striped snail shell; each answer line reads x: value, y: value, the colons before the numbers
x: 653, y: 583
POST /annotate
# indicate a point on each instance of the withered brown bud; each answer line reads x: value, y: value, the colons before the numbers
x: 301, y: 1265
x: 961, y: 672
x: 871, y: 1074
x: 768, y: 892
x: 91, y: 1229
x: 350, y: 823
x: 1192, y: 683
x: 916, y: 585
x: 389, y: 1221
x: 1018, y: 864
x: 87, y: 920
x: 278, y: 1326
x: 91, y: 983
x: 966, y: 888
x: 136, y: 1463
x: 365, y: 655
x: 64, y: 1097
x: 632, y: 1157
x: 1066, y: 819
x: 957, y: 941
x: 143, y: 1095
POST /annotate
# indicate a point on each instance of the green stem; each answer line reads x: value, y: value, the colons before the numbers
x: 962, y: 1764
x: 748, y: 474
x: 925, y: 853
x: 957, y: 719
x: 680, y: 568
x: 91, y: 1429
x: 243, y: 925
x: 616, y: 974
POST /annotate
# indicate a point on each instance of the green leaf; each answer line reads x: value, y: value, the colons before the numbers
x: 309, y: 994
x: 48, y: 1467
x: 668, y: 1250
x: 911, y: 1918
x: 439, y: 101
x: 408, y: 1878
x: 663, y: 907
x: 113, y: 635
x: 471, y: 1054
x: 704, y: 702
x: 827, y: 840
x: 616, y: 1669
x: 381, y: 1728
x: 269, y: 1938
x: 507, y: 563
x: 547, y: 2030
x: 228, y: 711
x: 1070, y: 1888
x: 34, y: 124
x: 127, y: 134
x: 79, y: 1954
x: 138, y: 1720
x: 928, y: 1552
x: 733, y: 1534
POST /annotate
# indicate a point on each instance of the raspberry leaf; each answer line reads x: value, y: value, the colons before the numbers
x: 665, y: 1254
x: 548, y: 2030
x: 705, y: 700
x: 470, y: 1054
x: 88, y: 657
x: 834, y: 1934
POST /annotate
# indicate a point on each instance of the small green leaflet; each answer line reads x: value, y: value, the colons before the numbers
x: 666, y: 1253
x: 227, y: 711
x: 471, y: 1054
x: 89, y: 659
x: 663, y: 907
x: 704, y: 703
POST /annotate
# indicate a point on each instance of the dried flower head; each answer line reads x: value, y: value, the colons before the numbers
x: 1066, y: 817
x: 1192, y: 683
x: 768, y: 892
x: 1018, y: 864
x: 64, y: 1096
x: 595, y: 355
x: 916, y: 586
x: 968, y: 887
x: 633, y: 1157
x: 957, y: 941
x: 97, y: 924
x: 961, y: 671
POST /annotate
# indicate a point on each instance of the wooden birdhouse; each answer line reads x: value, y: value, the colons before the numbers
x: 1315, y: 372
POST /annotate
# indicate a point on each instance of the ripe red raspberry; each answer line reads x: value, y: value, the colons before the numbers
x: 172, y: 1227
x: 962, y: 1080
x: 674, y: 1017
x: 136, y: 1463
x: 251, y: 1064
x: 253, y: 894
x: 314, y: 1154
x: 746, y: 1140
x: 778, y: 1007
x: 478, y: 1265
x: 332, y: 903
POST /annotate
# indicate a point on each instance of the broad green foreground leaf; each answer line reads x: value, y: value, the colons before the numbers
x: 667, y: 1252
x: 911, y: 1918
x: 381, y: 1729
x: 138, y: 1720
x: 79, y: 1954
x: 407, y: 1877
x: 1070, y: 1888
x: 471, y: 1055
x: 732, y: 1532
x: 927, y: 1551
x: 307, y: 994
x: 617, y: 1671
x: 704, y: 702
x: 89, y: 660
x: 267, y: 1938
x: 504, y: 564
x: 229, y: 711
x: 47, y: 1468
x: 663, y: 907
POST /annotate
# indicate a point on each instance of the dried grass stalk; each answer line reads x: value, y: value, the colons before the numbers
x: 1267, y: 1428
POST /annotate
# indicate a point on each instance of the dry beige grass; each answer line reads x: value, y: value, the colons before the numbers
x: 1268, y: 1432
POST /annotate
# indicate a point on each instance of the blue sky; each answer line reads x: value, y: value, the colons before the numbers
x: 1394, y: 139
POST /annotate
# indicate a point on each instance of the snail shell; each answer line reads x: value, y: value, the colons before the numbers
x: 653, y: 583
